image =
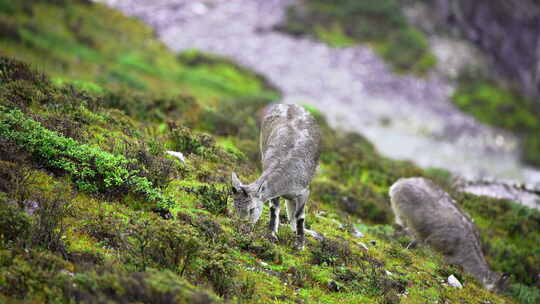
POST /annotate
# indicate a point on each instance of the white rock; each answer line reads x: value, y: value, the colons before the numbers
x: 178, y: 155
x: 454, y: 282
x: 314, y: 234
x: 357, y: 233
x: 66, y: 272
x: 321, y: 214
x: 362, y: 245
x: 405, y: 294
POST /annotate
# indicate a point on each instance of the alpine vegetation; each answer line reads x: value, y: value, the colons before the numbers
x: 290, y: 149
x: 433, y: 217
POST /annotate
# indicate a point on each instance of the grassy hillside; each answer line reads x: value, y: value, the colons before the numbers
x: 380, y: 23
x: 487, y: 101
x: 92, y: 209
x: 92, y: 47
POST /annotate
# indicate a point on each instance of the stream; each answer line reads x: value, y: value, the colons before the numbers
x: 405, y: 117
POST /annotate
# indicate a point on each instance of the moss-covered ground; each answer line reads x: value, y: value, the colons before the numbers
x: 504, y: 108
x: 93, y: 210
x: 381, y: 23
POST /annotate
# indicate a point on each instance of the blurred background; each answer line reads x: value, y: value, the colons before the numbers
x: 446, y: 84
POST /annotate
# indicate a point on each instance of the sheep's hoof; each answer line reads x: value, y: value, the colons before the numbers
x: 272, y: 237
x: 315, y: 235
x: 299, y: 245
x: 412, y: 245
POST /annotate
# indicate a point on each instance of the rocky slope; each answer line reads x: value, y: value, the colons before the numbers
x: 506, y: 30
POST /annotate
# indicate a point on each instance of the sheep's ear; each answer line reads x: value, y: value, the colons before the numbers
x: 236, y: 183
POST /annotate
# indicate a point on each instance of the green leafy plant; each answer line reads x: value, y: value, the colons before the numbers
x: 485, y: 100
x: 213, y: 199
x: 379, y: 22
x: 92, y: 170
x: 331, y: 252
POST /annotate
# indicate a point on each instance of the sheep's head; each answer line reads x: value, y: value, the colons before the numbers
x: 496, y: 282
x: 247, y: 203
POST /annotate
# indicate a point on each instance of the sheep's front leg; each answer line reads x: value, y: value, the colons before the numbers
x: 274, y: 218
x: 296, y: 215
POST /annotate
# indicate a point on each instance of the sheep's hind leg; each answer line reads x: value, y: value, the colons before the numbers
x: 299, y: 217
x: 291, y: 210
x: 274, y: 218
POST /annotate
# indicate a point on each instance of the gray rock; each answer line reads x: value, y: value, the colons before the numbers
x: 30, y: 207
x: 526, y: 194
x: 507, y: 30
x: 333, y: 286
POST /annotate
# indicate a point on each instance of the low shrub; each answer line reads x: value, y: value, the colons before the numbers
x: 147, y: 107
x: 14, y: 223
x: 91, y: 169
x: 15, y: 180
x: 50, y: 225
x: 175, y: 247
x: 107, y: 227
x: 185, y: 141
x: 117, y: 286
x: 155, y: 242
x: 524, y: 294
x: 151, y: 165
x: 32, y: 275
x: 331, y: 252
x: 14, y: 70
x: 214, y: 199
x: 235, y: 117
x: 206, y: 225
x: 220, y: 272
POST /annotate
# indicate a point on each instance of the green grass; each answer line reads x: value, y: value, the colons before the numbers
x: 334, y: 36
x: 380, y: 23
x: 91, y: 152
x: 502, y: 108
x: 203, y: 251
x: 510, y: 234
x: 130, y: 57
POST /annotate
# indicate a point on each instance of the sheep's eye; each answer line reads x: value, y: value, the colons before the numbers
x: 234, y: 190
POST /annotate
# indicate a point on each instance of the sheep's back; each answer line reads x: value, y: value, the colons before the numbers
x: 290, y: 140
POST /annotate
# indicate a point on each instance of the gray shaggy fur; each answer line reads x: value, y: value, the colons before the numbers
x: 290, y: 149
x: 433, y: 217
